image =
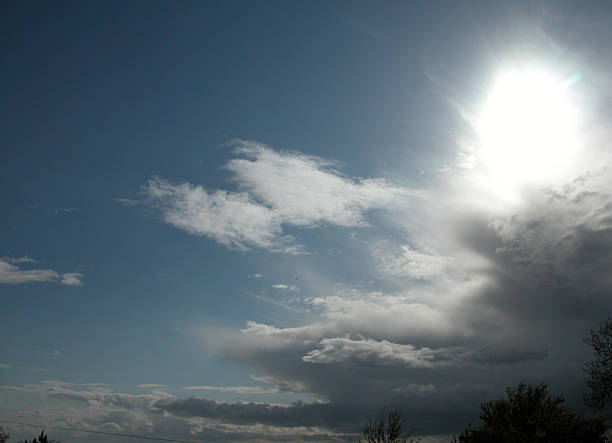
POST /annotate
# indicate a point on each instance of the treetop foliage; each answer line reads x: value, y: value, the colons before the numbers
x: 599, y: 371
x: 386, y: 428
x: 531, y: 414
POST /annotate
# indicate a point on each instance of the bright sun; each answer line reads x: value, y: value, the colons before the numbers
x: 526, y: 130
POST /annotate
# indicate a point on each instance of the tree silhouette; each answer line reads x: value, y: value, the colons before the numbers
x: 386, y: 428
x: 4, y: 436
x: 42, y: 438
x: 599, y: 371
x: 531, y: 414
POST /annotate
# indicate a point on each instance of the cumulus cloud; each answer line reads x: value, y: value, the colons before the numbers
x: 11, y: 274
x: 335, y: 350
x: 275, y: 188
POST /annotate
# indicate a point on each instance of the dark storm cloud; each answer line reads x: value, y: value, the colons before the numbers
x: 297, y: 414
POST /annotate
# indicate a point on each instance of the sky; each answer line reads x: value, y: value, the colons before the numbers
x: 267, y: 221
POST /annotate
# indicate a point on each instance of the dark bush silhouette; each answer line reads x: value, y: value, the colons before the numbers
x: 599, y: 371
x: 386, y: 428
x: 531, y: 414
x: 4, y: 436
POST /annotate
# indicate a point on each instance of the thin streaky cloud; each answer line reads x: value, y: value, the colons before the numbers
x: 15, y: 260
x: 234, y: 389
x: 11, y: 274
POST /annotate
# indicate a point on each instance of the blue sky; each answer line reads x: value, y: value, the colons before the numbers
x: 310, y: 206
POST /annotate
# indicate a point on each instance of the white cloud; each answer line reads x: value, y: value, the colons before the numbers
x: 151, y: 385
x: 283, y: 287
x: 15, y: 260
x: 384, y: 352
x: 275, y: 189
x: 235, y: 220
x: 308, y: 190
x: 72, y: 279
x: 335, y: 350
x: 11, y: 274
x: 255, y: 276
x: 404, y: 261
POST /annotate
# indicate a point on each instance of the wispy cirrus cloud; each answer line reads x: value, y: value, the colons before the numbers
x: 275, y: 188
x: 12, y: 274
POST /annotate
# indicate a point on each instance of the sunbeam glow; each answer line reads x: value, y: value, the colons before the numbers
x: 527, y: 130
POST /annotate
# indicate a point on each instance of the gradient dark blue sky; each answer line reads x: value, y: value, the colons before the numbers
x: 353, y: 117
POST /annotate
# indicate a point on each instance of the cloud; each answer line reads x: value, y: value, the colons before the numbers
x: 151, y: 385
x: 161, y: 414
x: 64, y: 210
x: 110, y: 399
x: 11, y: 274
x: 49, y: 352
x: 255, y: 276
x: 234, y: 389
x: 336, y: 350
x: 371, y: 352
x: 286, y: 287
x: 275, y: 188
x: 296, y: 414
x: 4, y: 366
x: 14, y: 260
x: 72, y: 279
x: 404, y: 261
x: 126, y: 201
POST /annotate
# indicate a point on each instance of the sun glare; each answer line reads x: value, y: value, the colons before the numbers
x: 526, y: 130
